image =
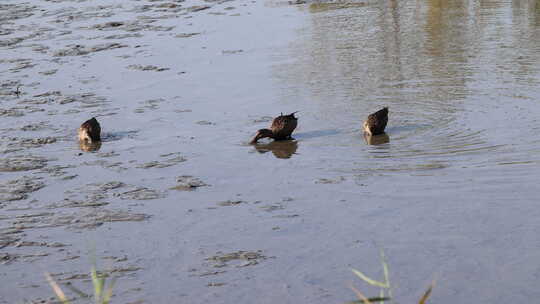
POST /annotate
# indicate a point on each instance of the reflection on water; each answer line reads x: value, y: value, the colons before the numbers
x: 368, y: 55
x: 452, y: 192
x: 441, y: 65
x: 326, y: 6
x: 280, y: 148
x: 376, y: 139
x: 87, y: 146
x: 462, y: 79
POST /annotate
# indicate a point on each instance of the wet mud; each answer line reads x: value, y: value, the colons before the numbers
x: 187, y: 182
x: 44, y: 116
x: 19, y: 189
x: 236, y: 259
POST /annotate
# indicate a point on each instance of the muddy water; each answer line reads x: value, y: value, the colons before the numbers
x: 178, y: 206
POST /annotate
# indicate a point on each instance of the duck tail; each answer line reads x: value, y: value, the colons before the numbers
x: 383, y: 111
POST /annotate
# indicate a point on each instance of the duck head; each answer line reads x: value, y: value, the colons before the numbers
x: 262, y: 133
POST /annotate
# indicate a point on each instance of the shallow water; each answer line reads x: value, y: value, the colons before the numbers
x: 180, y: 207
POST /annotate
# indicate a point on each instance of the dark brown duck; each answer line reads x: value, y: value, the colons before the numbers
x: 376, y: 122
x: 281, y: 128
x: 90, y: 131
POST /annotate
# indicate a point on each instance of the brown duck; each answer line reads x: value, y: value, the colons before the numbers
x: 281, y: 128
x: 376, y: 122
x: 90, y: 131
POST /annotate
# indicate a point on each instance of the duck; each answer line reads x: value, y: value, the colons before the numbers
x: 281, y: 128
x: 90, y: 131
x: 376, y: 122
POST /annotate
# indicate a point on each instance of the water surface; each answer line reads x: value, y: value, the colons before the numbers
x: 180, y: 207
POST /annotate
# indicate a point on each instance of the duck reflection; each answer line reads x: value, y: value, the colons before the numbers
x: 376, y: 139
x: 280, y: 149
x: 88, y: 146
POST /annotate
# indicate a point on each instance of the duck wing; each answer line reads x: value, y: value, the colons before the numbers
x: 283, y: 126
x: 378, y: 120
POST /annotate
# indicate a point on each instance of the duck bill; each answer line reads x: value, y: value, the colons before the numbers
x: 255, y: 139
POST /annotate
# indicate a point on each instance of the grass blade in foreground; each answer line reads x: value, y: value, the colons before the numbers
x: 369, y: 280
x: 57, y: 290
x: 383, y: 286
x: 369, y: 300
x: 102, y: 292
x: 426, y: 294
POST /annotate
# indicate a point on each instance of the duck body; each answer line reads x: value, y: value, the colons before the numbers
x: 90, y: 131
x: 376, y: 122
x: 281, y: 128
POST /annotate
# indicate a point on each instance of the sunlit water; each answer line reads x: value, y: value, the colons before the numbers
x: 450, y: 194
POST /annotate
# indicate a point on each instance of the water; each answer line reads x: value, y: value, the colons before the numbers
x: 451, y: 193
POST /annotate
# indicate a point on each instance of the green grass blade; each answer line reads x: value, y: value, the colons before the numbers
x: 386, y: 273
x: 385, y: 269
x: 98, y: 285
x: 369, y: 280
